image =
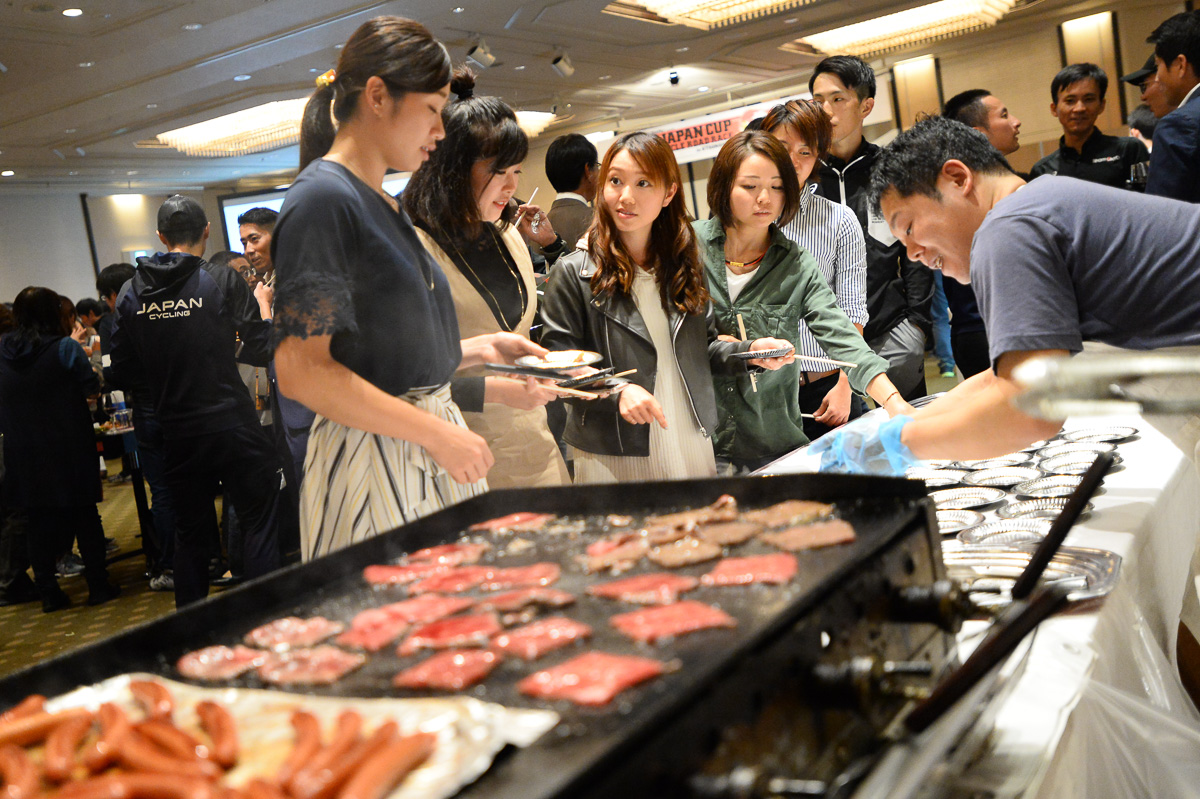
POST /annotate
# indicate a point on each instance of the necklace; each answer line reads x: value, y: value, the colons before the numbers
x: 496, y: 308
x: 747, y: 265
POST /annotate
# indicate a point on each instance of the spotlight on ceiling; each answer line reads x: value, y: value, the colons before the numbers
x: 480, y: 55
x: 562, y: 65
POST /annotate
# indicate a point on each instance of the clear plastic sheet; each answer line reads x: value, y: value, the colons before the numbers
x: 470, y: 732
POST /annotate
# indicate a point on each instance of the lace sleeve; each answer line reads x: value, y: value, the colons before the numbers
x: 313, y: 305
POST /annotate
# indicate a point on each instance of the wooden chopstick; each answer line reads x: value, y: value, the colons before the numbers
x: 742, y: 330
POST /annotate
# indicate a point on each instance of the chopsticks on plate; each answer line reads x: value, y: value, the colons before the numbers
x: 742, y: 330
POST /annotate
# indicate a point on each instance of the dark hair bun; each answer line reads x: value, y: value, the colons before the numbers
x: 462, y: 82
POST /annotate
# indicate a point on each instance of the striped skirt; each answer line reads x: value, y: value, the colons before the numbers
x: 358, y: 484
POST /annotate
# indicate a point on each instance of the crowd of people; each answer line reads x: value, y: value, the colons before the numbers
x: 332, y: 380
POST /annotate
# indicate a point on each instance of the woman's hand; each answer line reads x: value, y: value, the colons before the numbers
x: 835, y: 406
x: 535, y: 225
x: 497, y: 348
x: 79, y: 333
x: 765, y: 344
x: 463, y: 454
x: 638, y: 406
x: 526, y: 395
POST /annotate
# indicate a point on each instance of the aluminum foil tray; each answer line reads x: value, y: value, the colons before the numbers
x: 1046, y: 508
x: 951, y: 522
x: 936, y: 478
x: 1073, y: 463
x: 1111, y: 435
x: 1054, y: 485
x: 984, y: 569
x: 966, y: 498
x: 1003, y: 477
x: 1073, y: 447
x: 1006, y: 532
x: 1012, y: 459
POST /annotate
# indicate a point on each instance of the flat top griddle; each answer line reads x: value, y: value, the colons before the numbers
x: 588, y: 740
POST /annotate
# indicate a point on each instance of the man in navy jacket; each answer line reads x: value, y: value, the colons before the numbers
x: 1175, y: 161
x: 181, y: 324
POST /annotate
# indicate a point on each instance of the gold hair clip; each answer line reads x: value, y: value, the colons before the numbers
x: 326, y: 78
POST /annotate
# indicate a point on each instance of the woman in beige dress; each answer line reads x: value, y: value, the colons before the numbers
x: 460, y: 203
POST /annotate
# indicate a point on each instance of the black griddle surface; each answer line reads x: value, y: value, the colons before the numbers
x: 587, y: 740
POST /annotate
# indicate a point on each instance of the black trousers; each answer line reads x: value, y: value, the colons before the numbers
x: 50, y: 532
x: 811, y: 395
x: 971, y: 352
x: 245, y: 462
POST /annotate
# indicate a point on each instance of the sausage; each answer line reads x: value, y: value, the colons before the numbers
x: 388, y: 767
x: 153, y: 697
x: 138, y: 754
x: 345, y: 734
x: 308, y: 741
x: 137, y: 786
x: 18, y: 773
x: 33, y: 728
x: 59, y: 759
x: 324, y: 784
x: 114, y: 729
x: 258, y: 788
x: 218, y: 722
x: 34, y: 703
x: 172, y: 740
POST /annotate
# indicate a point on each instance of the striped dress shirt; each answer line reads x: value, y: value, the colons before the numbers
x: 831, y: 233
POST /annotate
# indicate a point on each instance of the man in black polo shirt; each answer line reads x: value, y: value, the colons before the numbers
x: 1077, y: 99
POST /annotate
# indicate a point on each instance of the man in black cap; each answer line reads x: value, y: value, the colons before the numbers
x: 1152, y: 91
x: 181, y: 324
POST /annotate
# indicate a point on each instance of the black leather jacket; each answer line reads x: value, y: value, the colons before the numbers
x: 573, y: 318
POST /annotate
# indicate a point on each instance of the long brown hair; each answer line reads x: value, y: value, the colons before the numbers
x: 674, y: 258
x: 403, y: 53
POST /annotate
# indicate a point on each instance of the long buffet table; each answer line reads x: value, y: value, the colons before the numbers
x: 1099, y: 711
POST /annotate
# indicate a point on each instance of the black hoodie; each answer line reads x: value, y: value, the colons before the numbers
x: 180, y: 327
x: 897, y: 288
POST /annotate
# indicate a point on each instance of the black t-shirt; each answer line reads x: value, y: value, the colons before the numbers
x: 1105, y: 160
x: 349, y: 266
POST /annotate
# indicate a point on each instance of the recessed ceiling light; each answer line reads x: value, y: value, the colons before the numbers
x: 519, y: 68
x: 86, y: 64
x: 151, y: 105
x: 338, y: 46
x: 702, y: 88
x: 791, y: 20
x: 8, y: 173
x: 459, y: 9
x: 70, y: 130
x: 240, y: 78
x: 72, y: 12
x: 72, y: 172
x: 314, y: 69
x: 681, y: 49
x: 131, y: 172
x: 192, y: 26
x: 604, y: 77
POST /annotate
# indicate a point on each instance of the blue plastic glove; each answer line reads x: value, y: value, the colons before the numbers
x: 866, y: 446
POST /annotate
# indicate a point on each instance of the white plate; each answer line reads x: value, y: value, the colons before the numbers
x: 562, y: 359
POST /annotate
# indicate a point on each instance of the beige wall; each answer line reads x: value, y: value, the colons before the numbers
x: 43, y: 243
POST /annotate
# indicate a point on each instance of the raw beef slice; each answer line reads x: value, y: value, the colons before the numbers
x: 590, y: 679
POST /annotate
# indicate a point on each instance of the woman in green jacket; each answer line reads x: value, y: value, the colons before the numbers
x: 762, y: 285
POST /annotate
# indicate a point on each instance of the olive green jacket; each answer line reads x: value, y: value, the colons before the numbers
x: 786, y: 287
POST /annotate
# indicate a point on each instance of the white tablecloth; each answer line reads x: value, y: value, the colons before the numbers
x: 1099, y: 711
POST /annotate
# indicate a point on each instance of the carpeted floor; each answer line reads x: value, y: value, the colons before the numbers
x: 28, y: 636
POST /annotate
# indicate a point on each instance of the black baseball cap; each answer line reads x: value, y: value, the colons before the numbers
x: 180, y: 213
x: 1136, y: 78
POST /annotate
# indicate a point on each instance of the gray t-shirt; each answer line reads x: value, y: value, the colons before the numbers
x: 1061, y: 261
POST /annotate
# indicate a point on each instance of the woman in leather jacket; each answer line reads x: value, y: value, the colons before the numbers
x: 637, y: 296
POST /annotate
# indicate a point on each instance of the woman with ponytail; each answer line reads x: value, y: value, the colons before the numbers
x: 364, y: 323
x: 461, y: 203
x: 637, y: 296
